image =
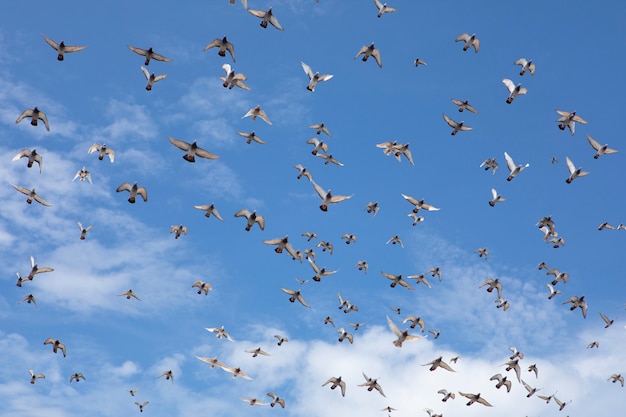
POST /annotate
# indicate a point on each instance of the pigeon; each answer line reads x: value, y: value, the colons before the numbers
x: 77, y: 376
x: 464, y: 105
x: 202, y: 287
x: 251, y: 137
x: 470, y: 41
x: 319, y: 128
x: 232, y: 79
x: 281, y: 339
x: 395, y: 240
x: 224, y: 45
x: 295, y: 295
x: 370, y: 50
x: 336, y: 382
x: 302, y: 171
x: 439, y: 363
x: 553, y: 292
x: 318, y: 145
x: 419, y: 204
x: 314, y: 78
x: 502, y: 381
x: 456, y: 126
x: 569, y: 120
x: 615, y: 378
x: 62, y: 48
x: 178, y: 230
x: 133, y: 391
x: 29, y: 299
x: 219, y: 332
x: 268, y: 17
x: 169, y: 375
x: 397, y: 279
x: 276, y: 400
x: 475, y: 398
x: 34, y: 376
x: 83, y: 174
x: 192, y: 150
x: 514, y: 170
x: 514, y: 90
x: 372, y: 384
x: 446, y: 395
x: 496, y: 198
x: 257, y: 112
x: 35, y: 114
x: 319, y: 272
x: 56, y: 344
x: 141, y: 405
x: 213, y: 362
x: 606, y: 320
x: 148, y: 54
x: 32, y: 195
x: 578, y: 302
x: 493, y: 283
x: 32, y: 156
x: 345, y: 335
x: 573, y: 171
x: 151, y: 77
x: 327, y: 197
x: 128, y: 294
x: 84, y: 230
x: 402, y: 335
x: 383, y: 8
x: 362, y: 265
x: 251, y: 218
x: 210, y: 209
x: 419, y: 62
x: 102, y: 151
x: 133, y: 190
x: 258, y: 351
x: 600, y: 149
x: 527, y: 65
x: 482, y: 252
x: 490, y: 163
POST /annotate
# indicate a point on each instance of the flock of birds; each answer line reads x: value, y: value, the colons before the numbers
x: 566, y: 120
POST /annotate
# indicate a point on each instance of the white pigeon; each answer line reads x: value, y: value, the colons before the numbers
x: 496, y: 198
x: 514, y: 90
x: 514, y: 170
x: 231, y: 79
x: 327, y: 197
x: 527, y: 65
x: 383, y: 8
x: 573, y: 171
x: 151, y: 78
x: 469, y: 41
x: 314, y: 78
x: 600, y: 149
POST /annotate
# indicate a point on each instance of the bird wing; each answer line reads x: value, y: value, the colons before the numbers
x: 180, y: 144
x: 509, y: 85
x: 361, y: 51
x: 307, y: 70
x: 394, y: 328
x: 509, y: 162
x: 203, y: 153
x: 143, y: 193
x: 377, y: 57
x: 450, y: 122
x: 160, y: 57
x: 319, y: 190
x: 594, y: 144
x: 40, y: 200
x: 570, y: 165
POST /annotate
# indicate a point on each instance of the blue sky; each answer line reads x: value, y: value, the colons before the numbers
x: 98, y: 96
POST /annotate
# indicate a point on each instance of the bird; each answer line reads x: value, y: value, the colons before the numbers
x: 557, y: 242
x: 314, y: 78
x: 268, y: 17
x: 615, y: 378
x: 32, y: 195
x: 210, y: 209
x: 151, y: 77
x: 233, y: 79
x: 32, y: 156
x: 29, y: 299
x: 554, y: 160
x: 309, y: 235
x: 482, y: 252
x: 282, y: 243
x: 594, y: 344
x: 319, y: 272
x: 302, y: 171
x: 345, y: 335
x: 224, y: 45
x: 470, y: 41
x: 606, y: 225
x: 328, y: 319
x: 395, y: 240
x: 514, y: 170
x: 573, y: 171
x: 128, y: 294
x: 84, y: 230
x: 435, y: 333
x: 372, y: 207
x: 415, y: 321
x: 561, y: 404
x: 329, y: 158
x: 464, y: 105
x: 356, y: 326
x: 192, y: 150
x: 327, y: 197
x: 553, y: 292
x: 416, y: 219
x: 490, y: 163
x: 326, y: 246
x: 533, y: 368
x: 62, y: 48
x: 397, y: 279
x: 493, y: 283
x: 319, y: 128
x: 578, y: 302
x: 502, y: 381
x: 77, y: 376
x: 149, y: 54
x: 169, y: 375
x: 318, y: 145
x: 569, y: 120
x: 202, y: 287
x: 35, y: 114
x: 34, y: 376
x: 420, y: 278
x: 295, y: 295
x: 281, y: 339
x: 362, y: 265
x: 372, y: 384
x: 213, y: 362
x: 402, y: 335
x: 370, y: 50
x: 102, y: 151
x: 527, y: 65
x: 257, y: 112
x: 403, y: 149
x: 349, y: 238
x: 435, y: 271
x: 83, y: 174
x: 133, y: 391
x: 606, y: 320
x: 456, y: 126
x: 419, y: 62
x: 419, y: 204
x: 220, y: 333
x: 251, y: 218
x: 253, y: 401
x: 446, y: 395
x: 133, y: 190
x: 56, y: 344
x: 336, y: 382
x: 514, y: 90
x: 495, y: 198
x: 141, y: 405
x: 600, y: 149
x: 439, y: 363
x: 530, y: 389
x: 475, y: 398
x: 35, y: 269
x: 251, y: 137
x: 258, y: 351
x: 276, y: 400
x: 383, y: 8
